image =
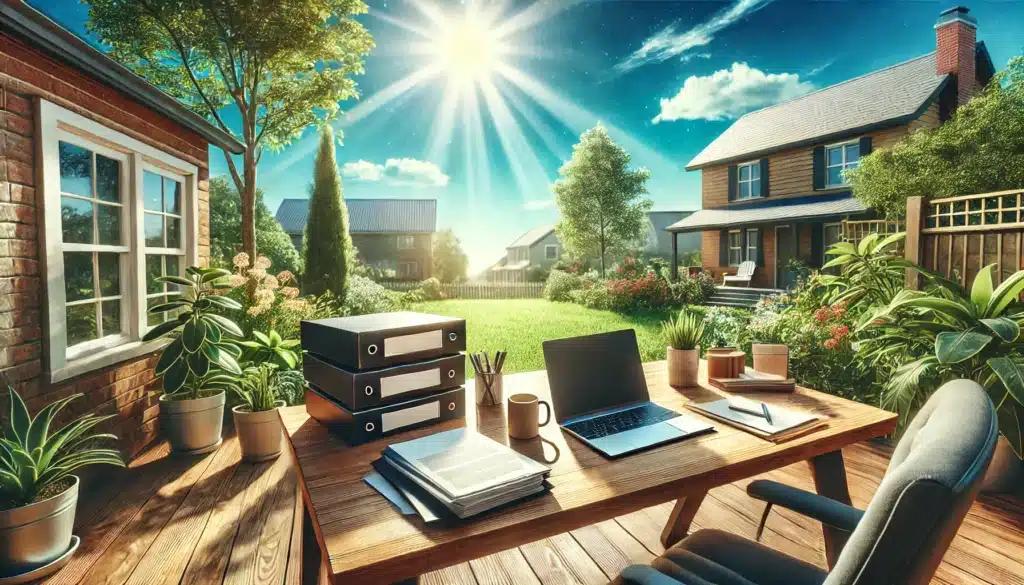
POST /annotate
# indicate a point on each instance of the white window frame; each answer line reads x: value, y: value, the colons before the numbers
x: 844, y: 165
x: 550, y: 252
x: 751, y: 247
x: 410, y: 267
x: 751, y: 181
x: 824, y: 240
x: 738, y: 247
x: 406, y: 242
x: 57, y: 124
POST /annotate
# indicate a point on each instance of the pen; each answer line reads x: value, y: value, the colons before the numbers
x: 767, y: 415
x: 763, y: 413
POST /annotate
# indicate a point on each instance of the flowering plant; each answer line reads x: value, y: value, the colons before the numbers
x: 635, y: 294
x: 268, y: 301
x: 631, y: 268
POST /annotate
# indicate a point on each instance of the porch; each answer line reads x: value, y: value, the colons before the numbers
x: 214, y: 519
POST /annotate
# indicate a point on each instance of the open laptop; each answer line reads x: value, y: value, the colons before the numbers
x: 599, y: 395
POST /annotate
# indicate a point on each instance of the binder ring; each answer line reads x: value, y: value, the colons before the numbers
x: 452, y: 336
x: 451, y: 373
x: 369, y: 427
x: 371, y: 349
x: 451, y: 406
x: 369, y: 390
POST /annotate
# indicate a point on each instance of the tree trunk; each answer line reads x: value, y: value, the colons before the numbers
x: 601, y: 244
x: 248, y: 195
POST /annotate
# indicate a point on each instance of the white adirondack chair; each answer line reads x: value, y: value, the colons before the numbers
x: 743, y: 275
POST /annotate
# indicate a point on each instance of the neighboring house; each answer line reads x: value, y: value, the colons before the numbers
x: 539, y: 248
x: 773, y: 184
x: 659, y: 239
x: 103, y: 187
x: 396, y: 235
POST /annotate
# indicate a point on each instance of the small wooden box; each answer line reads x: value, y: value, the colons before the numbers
x: 725, y: 362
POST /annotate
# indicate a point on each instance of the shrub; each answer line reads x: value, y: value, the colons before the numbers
x: 723, y: 325
x: 594, y: 296
x: 645, y: 293
x: 328, y: 246
x: 631, y: 268
x: 291, y: 387
x: 692, y: 290
x: 431, y: 290
x: 365, y: 297
x: 560, y: 284
x: 268, y: 301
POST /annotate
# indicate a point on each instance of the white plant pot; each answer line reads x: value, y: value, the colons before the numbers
x: 37, y: 534
x: 1006, y: 471
x: 193, y: 427
x: 683, y: 367
x: 259, y: 433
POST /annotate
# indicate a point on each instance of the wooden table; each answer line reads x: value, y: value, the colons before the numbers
x: 366, y: 540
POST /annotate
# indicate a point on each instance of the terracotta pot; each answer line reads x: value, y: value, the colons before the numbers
x: 259, y: 433
x: 683, y: 365
x: 1006, y: 471
x: 193, y: 427
x: 37, y: 534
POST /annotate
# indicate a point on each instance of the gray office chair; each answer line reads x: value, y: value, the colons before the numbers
x: 933, y: 478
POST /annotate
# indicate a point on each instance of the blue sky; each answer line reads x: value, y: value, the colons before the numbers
x: 478, y: 106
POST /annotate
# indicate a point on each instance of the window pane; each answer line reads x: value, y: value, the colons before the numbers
x: 108, y: 179
x: 111, y: 317
x: 81, y: 323
x: 745, y: 173
x: 755, y: 171
x: 108, y: 221
x: 744, y: 190
x: 172, y: 196
x: 152, y: 194
x: 835, y: 176
x: 158, y: 318
x: 76, y: 220
x: 78, y: 276
x: 153, y: 227
x: 153, y: 270
x: 75, y: 169
x: 173, y: 267
x: 755, y: 188
x: 835, y: 156
x: 110, y: 274
x: 852, y: 153
x: 173, y: 232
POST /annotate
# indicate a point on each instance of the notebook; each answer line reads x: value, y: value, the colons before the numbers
x: 785, y: 424
x: 753, y: 381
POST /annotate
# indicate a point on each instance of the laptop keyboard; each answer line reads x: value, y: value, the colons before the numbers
x: 617, y: 422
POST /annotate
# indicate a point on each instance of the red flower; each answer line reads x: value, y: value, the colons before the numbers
x: 839, y: 331
x: 823, y: 314
x: 830, y: 343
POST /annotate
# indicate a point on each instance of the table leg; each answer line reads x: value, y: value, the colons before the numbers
x: 830, y: 481
x: 314, y: 569
x: 679, y: 520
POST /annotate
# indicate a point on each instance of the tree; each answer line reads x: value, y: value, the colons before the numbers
x: 600, y: 199
x: 450, y: 262
x: 979, y: 150
x: 277, y: 67
x: 226, y: 227
x: 328, y: 249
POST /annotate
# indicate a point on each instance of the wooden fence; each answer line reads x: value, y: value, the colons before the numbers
x: 479, y: 290
x: 854, y: 231
x: 958, y: 236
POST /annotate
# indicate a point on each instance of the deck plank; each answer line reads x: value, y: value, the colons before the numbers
x: 560, y: 560
x: 507, y: 567
x: 259, y: 502
x: 611, y: 547
x: 460, y: 574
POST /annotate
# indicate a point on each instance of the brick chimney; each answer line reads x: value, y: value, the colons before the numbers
x: 955, y: 34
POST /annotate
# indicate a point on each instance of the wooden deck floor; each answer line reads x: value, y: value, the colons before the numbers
x: 211, y: 519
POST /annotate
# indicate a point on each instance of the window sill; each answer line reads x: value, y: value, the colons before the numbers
x: 841, y: 186
x: 103, y: 359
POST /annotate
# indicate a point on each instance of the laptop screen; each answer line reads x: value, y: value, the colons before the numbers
x: 594, y: 372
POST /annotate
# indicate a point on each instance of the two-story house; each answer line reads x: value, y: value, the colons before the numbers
x: 539, y: 248
x: 395, y: 235
x: 774, y: 185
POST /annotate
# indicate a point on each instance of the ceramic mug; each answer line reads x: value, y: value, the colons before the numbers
x: 524, y: 415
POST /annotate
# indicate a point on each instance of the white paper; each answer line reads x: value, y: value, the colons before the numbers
x: 412, y: 343
x: 397, y: 419
x: 402, y: 383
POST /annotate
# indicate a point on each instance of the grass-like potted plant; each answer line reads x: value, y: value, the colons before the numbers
x: 683, y: 334
x: 256, y: 420
x: 200, y: 362
x: 38, y: 493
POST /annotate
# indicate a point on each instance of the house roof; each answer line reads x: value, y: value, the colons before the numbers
x: 32, y: 27
x: 889, y: 96
x: 532, y: 236
x: 767, y: 211
x: 368, y: 215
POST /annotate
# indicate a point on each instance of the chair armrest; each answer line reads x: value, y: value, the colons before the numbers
x: 822, y: 509
x: 644, y: 575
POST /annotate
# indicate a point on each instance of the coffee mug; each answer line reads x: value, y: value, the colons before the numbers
x: 524, y: 414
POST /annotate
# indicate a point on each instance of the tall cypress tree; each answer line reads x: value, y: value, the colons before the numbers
x: 328, y: 245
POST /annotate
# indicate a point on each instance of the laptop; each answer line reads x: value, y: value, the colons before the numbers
x: 599, y: 395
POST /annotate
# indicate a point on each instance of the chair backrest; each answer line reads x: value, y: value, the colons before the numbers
x: 933, y: 477
x: 746, y: 269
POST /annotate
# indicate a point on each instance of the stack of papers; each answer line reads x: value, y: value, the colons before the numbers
x: 459, y: 472
x: 753, y: 381
x: 785, y: 423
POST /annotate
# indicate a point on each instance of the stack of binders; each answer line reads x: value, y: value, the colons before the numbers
x: 371, y: 376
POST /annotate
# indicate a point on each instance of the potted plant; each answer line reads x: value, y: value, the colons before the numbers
x: 38, y: 493
x: 199, y: 363
x: 256, y: 420
x: 683, y: 334
x: 270, y: 346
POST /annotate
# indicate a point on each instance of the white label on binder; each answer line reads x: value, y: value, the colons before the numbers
x: 412, y: 343
x: 391, y: 385
x: 397, y: 419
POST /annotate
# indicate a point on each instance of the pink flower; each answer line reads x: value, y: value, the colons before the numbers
x: 830, y: 343
x: 823, y: 314
x: 839, y: 331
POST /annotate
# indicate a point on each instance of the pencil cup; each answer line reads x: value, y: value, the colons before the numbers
x: 489, y: 389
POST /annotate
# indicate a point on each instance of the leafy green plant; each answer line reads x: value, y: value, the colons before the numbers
x: 974, y: 336
x: 32, y: 458
x: 291, y: 386
x: 200, y: 358
x: 271, y: 347
x: 871, y: 271
x: 258, y: 388
x: 685, y: 331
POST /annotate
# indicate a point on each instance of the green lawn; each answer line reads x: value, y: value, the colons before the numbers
x: 520, y: 325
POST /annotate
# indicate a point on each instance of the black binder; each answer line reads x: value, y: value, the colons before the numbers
x: 383, y: 339
x: 358, y: 427
x: 371, y: 388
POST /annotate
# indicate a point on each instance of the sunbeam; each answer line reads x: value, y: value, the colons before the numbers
x: 528, y: 171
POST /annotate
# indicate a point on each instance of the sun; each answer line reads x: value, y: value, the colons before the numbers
x: 467, y: 49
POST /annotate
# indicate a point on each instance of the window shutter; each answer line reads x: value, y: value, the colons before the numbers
x: 760, y: 246
x: 865, y: 146
x: 723, y: 248
x: 819, y: 167
x: 765, y: 189
x: 817, y: 243
x: 732, y: 182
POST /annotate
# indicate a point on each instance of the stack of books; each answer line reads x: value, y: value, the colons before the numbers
x: 459, y: 473
x: 753, y: 381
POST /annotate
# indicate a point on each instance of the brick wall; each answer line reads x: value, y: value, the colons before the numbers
x: 127, y: 390
x: 955, y: 53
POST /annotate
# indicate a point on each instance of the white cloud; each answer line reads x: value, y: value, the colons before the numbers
x: 538, y: 204
x: 408, y: 172
x: 729, y: 93
x: 668, y: 43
